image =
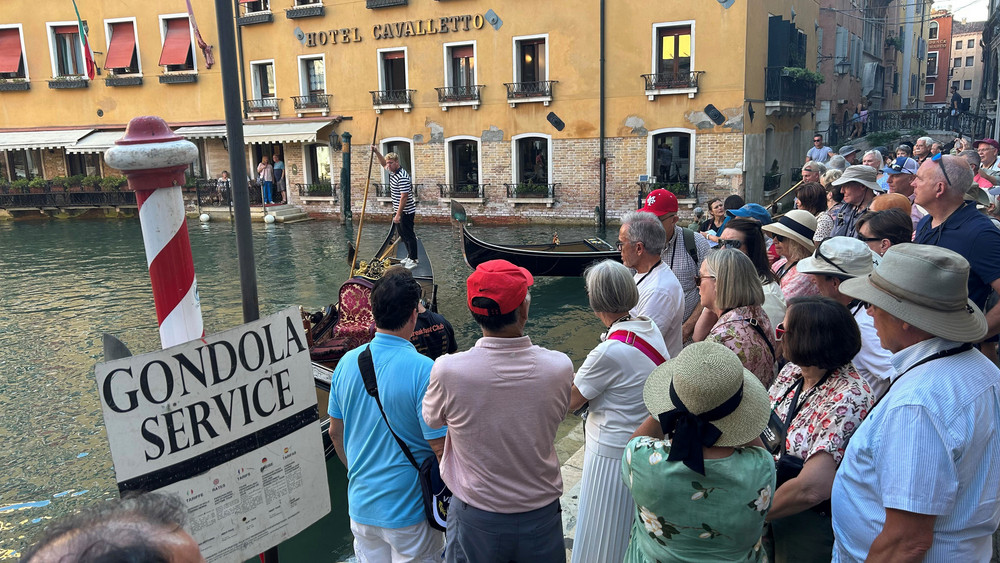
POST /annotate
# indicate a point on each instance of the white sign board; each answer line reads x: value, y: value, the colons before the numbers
x: 229, y: 424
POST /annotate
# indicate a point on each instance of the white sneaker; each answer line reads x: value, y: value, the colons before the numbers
x: 410, y: 264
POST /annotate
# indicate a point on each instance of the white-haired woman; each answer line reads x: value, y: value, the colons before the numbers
x: 611, y: 379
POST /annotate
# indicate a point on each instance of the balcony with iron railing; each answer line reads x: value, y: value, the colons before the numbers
x: 664, y: 83
x: 527, y: 92
x: 530, y: 192
x: 312, y: 103
x: 262, y: 107
x: 787, y: 94
x: 686, y: 192
x: 322, y: 191
x: 255, y: 12
x: 466, y: 193
x: 383, y: 193
x: 374, y: 4
x: 308, y: 9
x: 451, y: 96
x: 392, y: 99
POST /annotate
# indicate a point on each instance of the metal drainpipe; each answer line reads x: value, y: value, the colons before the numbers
x: 603, y: 216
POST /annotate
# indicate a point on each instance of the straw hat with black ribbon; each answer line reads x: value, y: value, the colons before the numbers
x: 705, y: 397
x: 925, y: 286
x: 798, y: 225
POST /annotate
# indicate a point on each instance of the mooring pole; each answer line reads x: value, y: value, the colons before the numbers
x: 154, y: 160
x: 345, y: 178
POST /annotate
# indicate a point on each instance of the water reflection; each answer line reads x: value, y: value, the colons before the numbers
x: 64, y: 283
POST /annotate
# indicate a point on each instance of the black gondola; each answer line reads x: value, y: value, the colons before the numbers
x: 552, y: 259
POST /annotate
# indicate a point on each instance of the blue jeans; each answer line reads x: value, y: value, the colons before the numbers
x: 268, y: 192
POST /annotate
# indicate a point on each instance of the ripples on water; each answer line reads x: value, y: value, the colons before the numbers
x: 64, y: 283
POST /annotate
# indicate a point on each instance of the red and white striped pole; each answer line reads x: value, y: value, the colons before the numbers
x: 154, y: 159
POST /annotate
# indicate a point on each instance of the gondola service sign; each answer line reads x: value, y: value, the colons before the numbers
x: 229, y: 424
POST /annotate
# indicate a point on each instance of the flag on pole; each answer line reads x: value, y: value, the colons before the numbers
x: 88, y: 55
x: 206, y: 49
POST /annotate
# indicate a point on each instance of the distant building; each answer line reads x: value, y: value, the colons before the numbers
x: 968, y: 61
x: 939, y: 67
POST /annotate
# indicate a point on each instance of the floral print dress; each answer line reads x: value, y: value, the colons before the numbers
x: 793, y: 283
x: 735, y: 331
x: 685, y: 516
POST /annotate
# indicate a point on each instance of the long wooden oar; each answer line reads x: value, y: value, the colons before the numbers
x: 364, y: 204
x: 777, y: 199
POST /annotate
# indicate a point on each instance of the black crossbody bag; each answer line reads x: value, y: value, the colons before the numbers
x: 436, y: 495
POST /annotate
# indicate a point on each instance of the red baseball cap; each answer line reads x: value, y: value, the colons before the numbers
x: 660, y: 202
x: 989, y: 142
x: 500, y: 281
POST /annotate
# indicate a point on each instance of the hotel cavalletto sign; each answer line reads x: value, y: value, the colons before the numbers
x: 395, y: 30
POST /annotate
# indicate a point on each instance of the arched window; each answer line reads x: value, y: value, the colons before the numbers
x: 932, y: 32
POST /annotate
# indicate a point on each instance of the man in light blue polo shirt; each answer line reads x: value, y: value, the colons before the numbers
x: 920, y: 480
x: 383, y: 492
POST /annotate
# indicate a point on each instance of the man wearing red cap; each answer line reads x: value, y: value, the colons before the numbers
x: 682, y: 254
x: 989, y: 168
x: 502, y: 401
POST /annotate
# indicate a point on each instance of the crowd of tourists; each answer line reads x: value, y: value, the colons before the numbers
x: 818, y: 386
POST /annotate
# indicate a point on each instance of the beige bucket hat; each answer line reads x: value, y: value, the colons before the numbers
x: 844, y: 257
x: 798, y: 225
x: 926, y: 286
x: 864, y: 175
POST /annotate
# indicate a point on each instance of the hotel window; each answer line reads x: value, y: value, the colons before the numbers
x: 967, y: 85
x: 462, y: 69
x: 393, y: 66
x: 403, y: 149
x: 673, y: 52
x: 307, y: 2
x: 178, y: 46
x: 313, y: 76
x: 932, y: 32
x: 929, y: 89
x: 252, y: 6
x: 123, y: 57
x: 531, y: 63
x: 970, y: 61
x: 318, y: 164
x: 932, y: 59
x: 24, y: 163
x: 263, y: 79
x: 67, y: 50
x: 86, y: 164
x: 672, y: 158
x: 11, y: 55
x: 464, y: 165
x: 533, y: 165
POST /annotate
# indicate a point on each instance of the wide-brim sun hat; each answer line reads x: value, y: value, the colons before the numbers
x: 844, y: 257
x: 925, y: 286
x: 704, y: 376
x: 861, y: 174
x: 798, y: 225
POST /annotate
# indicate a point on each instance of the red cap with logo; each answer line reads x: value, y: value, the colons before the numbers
x: 660, y: 202
x: 500, y: 281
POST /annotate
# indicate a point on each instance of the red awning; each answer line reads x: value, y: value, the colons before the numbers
x: 391, y: 55
x: 461, y: 52
x: 10, y: 49
x: 122, y: 46
x: 177, y: 43
x: 66, y: 29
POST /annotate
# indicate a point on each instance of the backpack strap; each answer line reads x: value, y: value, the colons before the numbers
x: 689, y: 244
x: 636, y: 341
x: 367, y: 367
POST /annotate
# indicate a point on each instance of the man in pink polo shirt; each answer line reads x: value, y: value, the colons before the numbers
x: 502, y: 401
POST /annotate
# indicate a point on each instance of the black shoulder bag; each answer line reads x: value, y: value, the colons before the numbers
x: 435, y: 493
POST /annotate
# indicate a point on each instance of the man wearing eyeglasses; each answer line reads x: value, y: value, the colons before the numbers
x: 835, y: 260
x: 819, y: 152
x: 989, y: 166
x: 900, y: 176
x: 641, y: 239
x: 956, y: 224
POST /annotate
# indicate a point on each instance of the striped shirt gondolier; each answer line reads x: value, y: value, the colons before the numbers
x: 399, y: 184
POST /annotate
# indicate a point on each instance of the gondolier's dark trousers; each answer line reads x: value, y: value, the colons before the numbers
x: 405, y: 229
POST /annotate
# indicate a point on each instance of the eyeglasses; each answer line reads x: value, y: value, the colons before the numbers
x: 730, y: 243
x: 820, y: 255
x: 698, y: 278
x: 621, y: 244
x: 779, y: 332
x: 937, y: 158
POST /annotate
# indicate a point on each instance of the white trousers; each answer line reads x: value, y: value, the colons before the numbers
x: 418, y: 543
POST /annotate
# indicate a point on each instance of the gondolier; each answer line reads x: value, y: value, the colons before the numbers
x: 401, y: 189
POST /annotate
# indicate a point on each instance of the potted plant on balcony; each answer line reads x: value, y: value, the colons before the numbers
x: 38, y: 185
x: 803, y: 75
x: 90, y: 183
x: 20, y: 186
x: 112, y: 183
x: 679, y: 189
x: 531, y: 189
x: 4, y: 185
x: 74, y: 183
x: 58, y: 183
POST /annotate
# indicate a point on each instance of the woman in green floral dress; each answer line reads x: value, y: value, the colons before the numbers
x: 696, y: 502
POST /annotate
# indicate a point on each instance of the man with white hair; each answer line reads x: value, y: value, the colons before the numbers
x: 922, y: 149
x: 874, y: 159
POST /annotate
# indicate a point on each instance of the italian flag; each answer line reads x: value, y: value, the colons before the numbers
x: 88, y: 55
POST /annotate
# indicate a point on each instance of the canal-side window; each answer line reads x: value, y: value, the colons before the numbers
x: 312, y: 76
x: 11, y: 55
x: 178, y: 47
x: 464, y: 162
x: 530, y: 55
x: 461, y: 68
x: 67, y: 51
x: 671, y: 157
x: 532, y: 160
x: 393, y: 70
x: 318, y: 164
x: 932, y: 59
x: 86, y: 164
x: 263, y: 79
x: 123, y: 56
x: 24, y: 163
x: 251, y: 6
x: 673, y: 51
x: 405, y: 151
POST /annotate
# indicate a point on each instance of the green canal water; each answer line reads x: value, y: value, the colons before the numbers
x: 64, y: 283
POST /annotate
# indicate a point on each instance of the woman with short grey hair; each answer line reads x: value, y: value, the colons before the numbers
x: 611, y: 379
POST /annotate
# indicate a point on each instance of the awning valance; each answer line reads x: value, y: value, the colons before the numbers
x: 57, y: 139
x: 122, y: 46
x: 258, y: 133
x: 10, y: 49
x: 202, y: 132
x: 96, y: 142
x: 176, y: 43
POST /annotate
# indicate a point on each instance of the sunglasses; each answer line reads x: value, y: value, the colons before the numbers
x: 779, y: 238
x: 779, y: 332
x: 937, y: 158
x: 698, y: 278
x: 730, y: 243
x: 863, y: 238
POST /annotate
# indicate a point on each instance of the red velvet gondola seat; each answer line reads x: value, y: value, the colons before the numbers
x: 355, y: 324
